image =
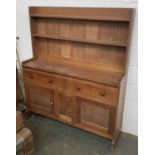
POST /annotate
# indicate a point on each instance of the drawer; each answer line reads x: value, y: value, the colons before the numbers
x: 98, y: 92
x: 89, y: 90
x: 41, y: 79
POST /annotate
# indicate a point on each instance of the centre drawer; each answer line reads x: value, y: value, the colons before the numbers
x: 89, y: 90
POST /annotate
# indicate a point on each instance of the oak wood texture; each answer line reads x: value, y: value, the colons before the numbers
x: 78, y: 71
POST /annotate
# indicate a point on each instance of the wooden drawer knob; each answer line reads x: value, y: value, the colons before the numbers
x: 102, y: 94
x: 78, y: 88
x: 50, y: 81
x: 31, y: 77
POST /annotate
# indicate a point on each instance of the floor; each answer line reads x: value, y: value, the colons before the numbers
x: 54, y: 138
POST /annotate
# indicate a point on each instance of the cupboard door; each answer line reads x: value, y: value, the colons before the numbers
x: 96, y: 116
x: 63, y: 106
x: 40, y: 100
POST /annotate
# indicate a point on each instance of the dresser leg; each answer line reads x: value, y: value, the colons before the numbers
x: 114, y: 140
x: 112, y: 148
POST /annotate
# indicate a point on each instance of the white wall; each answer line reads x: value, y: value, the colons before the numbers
x: 130, y: 118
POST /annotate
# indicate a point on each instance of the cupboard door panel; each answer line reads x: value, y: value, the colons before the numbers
x: 96, y: 116
x: 41, y: 99
x: 63, y: 106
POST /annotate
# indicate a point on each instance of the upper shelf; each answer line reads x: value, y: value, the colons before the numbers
x: 101, y: 42
x: 79, y: 17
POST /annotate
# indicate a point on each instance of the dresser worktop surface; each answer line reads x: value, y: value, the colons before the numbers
x: 79, y: 72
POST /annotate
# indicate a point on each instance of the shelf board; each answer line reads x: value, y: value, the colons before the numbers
x: 100, y: 42
x: 80, y: 17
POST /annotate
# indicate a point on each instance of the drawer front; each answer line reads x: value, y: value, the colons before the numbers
x: 88, y: 90
x: 100, y: 93
x: 44, y: 80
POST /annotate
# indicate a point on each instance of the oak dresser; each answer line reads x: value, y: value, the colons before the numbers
x: 78, y: 71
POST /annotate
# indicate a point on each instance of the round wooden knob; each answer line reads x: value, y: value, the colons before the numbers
x: 102, y: 93
x: 50, y: 81
x: 31, y: 77
x: 78, y: 88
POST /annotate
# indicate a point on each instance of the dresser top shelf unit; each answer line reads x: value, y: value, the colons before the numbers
x: 83, y: 43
